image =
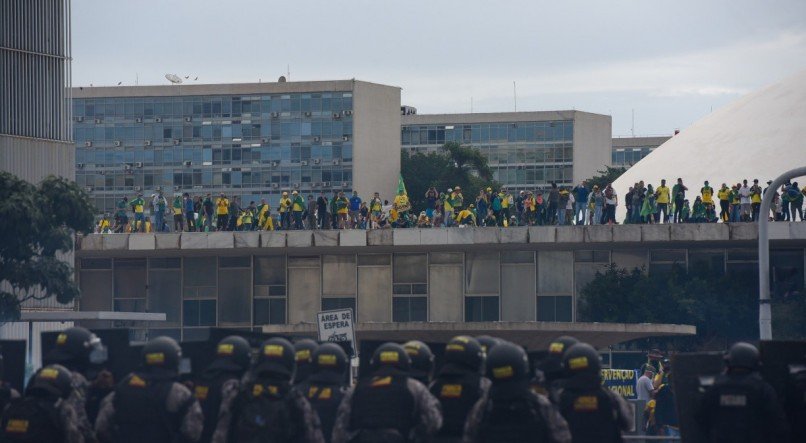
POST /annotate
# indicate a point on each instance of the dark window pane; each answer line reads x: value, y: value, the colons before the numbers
x: 517, y: 257
x: 401, y: 289
x: 234, y: 293
x: 339, y: 303
x: 270, y: 270
x: 269, y: 311
x: 190, y: 313
x: 400, y: 309
x: 373, y: 260
x: 546, y: 308
x: 444, y: 258
x: 742, y: 254
x: 130, y: 278
x: 200, y: 271
x: 711, y: 261
x: 490, y: 308
x: 419, y: 309
x: 601, y: 256
x: 673, y: 255
x: 481, y: 308
x: 196, y: 334
x: 276, y: 290
x: 164, y: 294
x: 563, y: 308
x: 410, y: 268
x: 96, y: 263
x: 207, y: 312
x: 130, y: 305
x: 164, y: 263
x: 419, y: 289
x: 583, y: 256
x: 235, y: 262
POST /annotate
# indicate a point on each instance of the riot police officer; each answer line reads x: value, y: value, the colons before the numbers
x: 75, y: 349
x: 269, y: 408
x: 149, y: 405
x: 549, y: 371
x: 422, y: 361
x: 44, y: 414
x: 7, y: 392
x: 388, y: 406
x: 326, y: 386
x: 459, y: 385
x: 511, y: 412
x: 487, y: 342
x: 219, y: 384
x: 303, y: 350
x: 795, y: 402
x: 740, y: 406
x: 593, y: 413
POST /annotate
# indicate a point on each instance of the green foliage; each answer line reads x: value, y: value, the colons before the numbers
x: 724, y: 308
x: 464, y: 166
x: 36, y: 224
x: 606, y: 177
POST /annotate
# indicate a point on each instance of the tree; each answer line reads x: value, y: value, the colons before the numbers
x: 37, y: 223
x: 464, y: 166
x: 724, y: 308
x: 606, y: 177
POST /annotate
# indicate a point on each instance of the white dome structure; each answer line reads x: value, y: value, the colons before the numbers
x: 761, y: 135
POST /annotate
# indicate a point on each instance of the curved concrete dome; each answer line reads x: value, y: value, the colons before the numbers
x: 760, y: 135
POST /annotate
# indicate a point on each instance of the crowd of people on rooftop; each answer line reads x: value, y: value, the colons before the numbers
x: 558, y: 205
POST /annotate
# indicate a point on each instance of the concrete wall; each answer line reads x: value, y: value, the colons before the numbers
x: 33, y: 159
x: 376, y: 144
x: 592, y: 144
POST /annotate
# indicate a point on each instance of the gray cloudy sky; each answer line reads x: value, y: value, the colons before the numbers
x: 671, y: 61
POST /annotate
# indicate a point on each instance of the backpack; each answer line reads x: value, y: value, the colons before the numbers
x: 264, y: 414
x: 792, y: 193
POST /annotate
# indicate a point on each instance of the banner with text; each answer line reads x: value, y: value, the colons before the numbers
x: 621, y: 381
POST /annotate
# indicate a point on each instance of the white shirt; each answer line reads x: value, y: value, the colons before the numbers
x: 571, y: 201
x: 644, y: 388
x: 744, y: 194
x: 613, y: 198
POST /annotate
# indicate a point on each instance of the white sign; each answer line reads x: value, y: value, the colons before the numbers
x: 336, y: 325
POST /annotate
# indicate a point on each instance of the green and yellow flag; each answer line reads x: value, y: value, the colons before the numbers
x: 401, y: 186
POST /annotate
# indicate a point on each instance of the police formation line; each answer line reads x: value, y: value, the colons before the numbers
x: 483, y: 392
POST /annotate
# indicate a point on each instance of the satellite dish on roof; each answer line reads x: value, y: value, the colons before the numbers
x: 173, y: 78
x: 281, y: 79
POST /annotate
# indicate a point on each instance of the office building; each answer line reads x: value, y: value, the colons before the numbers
x: 628, y: 151
x: 248, y: 140
x: 526, y: 150
x: 35, y: 128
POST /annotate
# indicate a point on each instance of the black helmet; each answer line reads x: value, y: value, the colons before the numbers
x: 233, y: 353
x: 277, y: 357
x: 422, y: 360
x: 552, y: 364
x: 742, y: 355
x: 582, y: 358
x: 390, y: 357
x: 507, y: 362
x: 162, y: 354
x: 76, y: 347
x: 329, y: 363
x: 463, y: 354
x: 51, y: 381
x: 303, y: 354
x: 487, y: 343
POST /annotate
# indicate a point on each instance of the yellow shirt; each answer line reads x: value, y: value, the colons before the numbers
x: 297, y: 206
x: 222, y: 206
x: 723, y: 193
x: 284, y: 204
x: 505, y: 201
x: 663, y: 194
x: 706, y: 195
x: 755, y: 194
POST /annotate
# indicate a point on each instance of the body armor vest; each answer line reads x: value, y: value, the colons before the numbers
x: 457, y: 394
x: 32, y: 420
x: 591, y: 415
x: 383, y: 403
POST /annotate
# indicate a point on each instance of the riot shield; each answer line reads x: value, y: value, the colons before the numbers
x: 783, y: 365
x: 690, y: 371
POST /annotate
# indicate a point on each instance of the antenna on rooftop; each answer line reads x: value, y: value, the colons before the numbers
x: 173, y: 78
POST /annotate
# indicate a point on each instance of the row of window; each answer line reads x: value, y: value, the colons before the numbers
x: 137, y: 133
x: 630, y: 156
x: 487, y: 132
x: 212, y: 106
x: 207, y: 154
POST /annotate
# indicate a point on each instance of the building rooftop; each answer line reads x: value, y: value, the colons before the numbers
x: 492, y: 117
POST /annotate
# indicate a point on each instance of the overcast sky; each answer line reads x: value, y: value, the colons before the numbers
x: 669, y: 61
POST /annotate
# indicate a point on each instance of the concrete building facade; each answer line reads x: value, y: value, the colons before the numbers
x: 35, y: 126
x: 405, y: 278
x: 526, y: 150
x: 249, y: 140
x: 628, y: 151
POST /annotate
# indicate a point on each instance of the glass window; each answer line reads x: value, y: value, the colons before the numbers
x: 410, y: 268
x: 481, y: 309
x: 130, y: 278
x: 235, y: 294
x: 270, y: 270
x: 406, y: 309
x: 269, y: 311
x: 554, y: 308
x: 339, y: 303
x: 200, y: 271
x: 199, y: 313
x: 482, y: 273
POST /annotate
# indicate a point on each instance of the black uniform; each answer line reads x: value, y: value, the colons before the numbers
x: 740, y: 406
x: 327, y: 385
x: 459, y: 385
x: 795, y: 404
x: 593, y: 413
x: 269, y: 409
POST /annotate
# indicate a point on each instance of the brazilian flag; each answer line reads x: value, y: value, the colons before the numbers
x: 401, y: 186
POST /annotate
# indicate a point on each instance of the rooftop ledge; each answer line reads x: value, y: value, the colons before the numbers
x: 441, y: 238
